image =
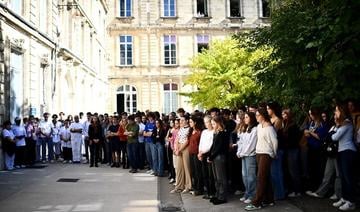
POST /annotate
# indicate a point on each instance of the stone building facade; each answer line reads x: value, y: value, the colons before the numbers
x: 152, y: 42
x: 52, y: 56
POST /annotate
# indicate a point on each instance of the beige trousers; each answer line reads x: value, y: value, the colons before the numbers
x: 183, y: 175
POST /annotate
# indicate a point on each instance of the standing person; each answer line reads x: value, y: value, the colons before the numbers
x: 159, y: 142
x: 76, y: 129
x: 123, y: 141
x: 65, y: 137
x: 149, y: 145
x: 266, y: 149
x: 132, y: 132
x: 95, y: 135
x: 346, y: 157
x: 292, y: 136
x: 45, y: 138
x: 30, y: 140
x: 170, y: 148
x: 8, y: 145
x: 183, y: 175
x: 20, y: 133
x: 56, y: 126
x: 86, y: 123
x: 315, y: 133
x: 217, y: 158
x: 196, y: 126
x: 247, y: 139
x: 206, y: 141
x: 141, y: 145
x: 114, y: 141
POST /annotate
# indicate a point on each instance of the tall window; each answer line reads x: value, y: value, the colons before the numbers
x: 170, y: 49
x: 16, y: 82
x: 125, y: 50
x: 43, y: 16
x: 126, y: 99
x: 202, y: 42
x: 125, y: 8
x: 202, y: 8
x: 235, y: 8
x: 265, y: 8
x: 170, y: 97
x: 169, y: 8
x: 17, y: 6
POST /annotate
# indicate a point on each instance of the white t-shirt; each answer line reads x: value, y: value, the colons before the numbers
x: 77, y: 137
x: 56, y: 131
x: 45, y: 128
x: 65, y: 133
x: 183, y: 134
x: 19, y: 131
x: 206, y: 140
x: 141, y: 130
x: 8, y: 133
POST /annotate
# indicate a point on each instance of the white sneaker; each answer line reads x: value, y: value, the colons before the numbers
x: 334, y: 197
x: 248, y: 201
x: 347, y: 206
x: 242, y: 199
x: 339, y: 203
x: 237, y: 192
x: 313, y: 194
x: 172, y: 180
x: 148, y: 172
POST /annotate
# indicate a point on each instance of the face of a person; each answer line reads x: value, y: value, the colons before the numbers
x: 324, y: 117
x: 182, y: 122
x: 114, y: 121
x: 259, y: 117
x: 311, y: 115
x: 351, y: 107
x: 207, y: 124
x: 270, y: 112
x: 247, y: 119
x: 76, y: 118
x: 284, y: 116
x: 176, y: 124
x: 214, y: 125
x: 143, y: 119
x: 191, y: 123
x: 157, y: 124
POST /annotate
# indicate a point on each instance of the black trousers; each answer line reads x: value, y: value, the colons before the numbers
x: 196, y: 173
x: 208, y: 176
x: 20, y: 155
x: 123, y: 152
x: 94, y: 153
x: 169, y: 156
x: 67, y: 153
x: 30, y: 151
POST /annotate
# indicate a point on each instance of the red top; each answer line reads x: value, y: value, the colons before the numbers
x: 194, y: 142
x: 122, y: 137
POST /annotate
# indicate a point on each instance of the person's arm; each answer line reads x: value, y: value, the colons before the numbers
x: 273, y: 140
x: 250, y: 146
x: 340, y: 132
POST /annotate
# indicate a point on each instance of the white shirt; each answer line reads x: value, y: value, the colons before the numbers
x: 56, y: 131
x: 206, y: 140
x: 8, y: 133
x: 65, y: 133
x: 141, y: 131
x: 183, y: 134
x: 19, y: 131
x: 267, y: 142
x: 77, y: 137
x: 86, y: 125
x: 247, y: 143
x: 45, y: 128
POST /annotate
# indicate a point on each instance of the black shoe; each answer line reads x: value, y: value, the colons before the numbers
x: 113, y: 165
x: 91, y: 165
x: 206, y: 197
x: 219, y: 201
x: 212, y: 199
x: 96, y: 165
x: 117, y: 165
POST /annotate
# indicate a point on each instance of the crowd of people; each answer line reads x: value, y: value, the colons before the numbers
x: 260, y: 150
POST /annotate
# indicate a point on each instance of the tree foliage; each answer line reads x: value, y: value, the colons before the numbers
x: 318, y: 48
x: 225, y: 74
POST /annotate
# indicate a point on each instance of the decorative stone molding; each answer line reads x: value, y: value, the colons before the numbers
x: 17, y: 45
x: 44, y: 60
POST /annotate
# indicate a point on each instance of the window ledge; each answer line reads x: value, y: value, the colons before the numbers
x: 125, y: 66
x: 236, y: 18
x: 125, y: 19
x: 170, y: 65
x: 169, y: 17
x: 202, y: 17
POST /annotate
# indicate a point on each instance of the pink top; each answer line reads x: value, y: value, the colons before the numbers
x: 172, y: 139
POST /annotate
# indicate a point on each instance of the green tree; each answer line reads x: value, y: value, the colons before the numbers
x: 225, y: 74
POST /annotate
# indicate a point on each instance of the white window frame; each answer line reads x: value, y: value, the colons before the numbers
x: 261, y: 12
x: 126, y: 43
x: 125, y: 8
x: 168, y: 9
x: 206, y: 9
x: 43, y: 16
x: 172, y: 48
x: 173, y: 98
x: 129, y: 91
x: 240, y: 9
x: 201, y: 41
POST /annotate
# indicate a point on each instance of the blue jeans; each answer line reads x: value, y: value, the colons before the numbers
x: 49, y: 143
x: 277, y: 176
x: 158, y: 158
x: 249, y: 176
x: 148, y: 154
x: 132, y: 149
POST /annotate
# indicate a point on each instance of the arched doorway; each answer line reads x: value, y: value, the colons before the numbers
x: 126, y: 99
